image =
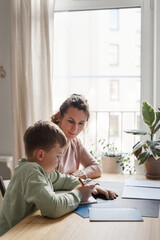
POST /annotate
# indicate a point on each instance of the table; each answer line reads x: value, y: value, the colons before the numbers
x: 74, y: 227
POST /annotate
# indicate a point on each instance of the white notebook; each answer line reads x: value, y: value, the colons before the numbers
x: 143, y: 183
x: 114, y: 215
x: 141, y: 193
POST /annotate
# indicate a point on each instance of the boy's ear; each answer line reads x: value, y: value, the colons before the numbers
x: 40, y: 154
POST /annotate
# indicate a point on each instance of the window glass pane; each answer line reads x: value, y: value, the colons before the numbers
x: 113, y: 55
x: 114, y: 126
x: 114, y: 90
x: 104, y: 65
x: 138, y: 19
x: 113, y: 19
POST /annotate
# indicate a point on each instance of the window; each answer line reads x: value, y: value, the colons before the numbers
x: 104, y: 65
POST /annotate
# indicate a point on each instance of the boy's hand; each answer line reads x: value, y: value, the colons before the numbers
x: 85, y: 190
x: 108, y: 193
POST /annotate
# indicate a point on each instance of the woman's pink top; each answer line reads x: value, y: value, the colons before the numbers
x: 75, y: 155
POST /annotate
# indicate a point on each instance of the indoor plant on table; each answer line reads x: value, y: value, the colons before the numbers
x: 148, y: 151
x: 111, y: 160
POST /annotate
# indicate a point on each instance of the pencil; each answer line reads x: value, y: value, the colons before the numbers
x: 81, y: 181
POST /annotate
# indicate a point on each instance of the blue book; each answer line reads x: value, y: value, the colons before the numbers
x: 102, y: 214
x: 83, y: 210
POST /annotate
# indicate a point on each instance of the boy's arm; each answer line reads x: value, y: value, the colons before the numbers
x: 65, y: 181
x: 39, y: 192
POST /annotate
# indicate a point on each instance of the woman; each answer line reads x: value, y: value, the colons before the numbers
x: 71, y: 118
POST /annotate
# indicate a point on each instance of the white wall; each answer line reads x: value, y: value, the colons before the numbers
x: 5, y: 83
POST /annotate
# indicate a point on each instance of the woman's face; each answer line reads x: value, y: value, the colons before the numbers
x: 73, y: 122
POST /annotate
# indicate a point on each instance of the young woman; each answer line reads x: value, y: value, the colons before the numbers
x: 71, y: 118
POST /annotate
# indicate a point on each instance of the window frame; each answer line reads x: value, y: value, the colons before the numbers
x: 79, y: 5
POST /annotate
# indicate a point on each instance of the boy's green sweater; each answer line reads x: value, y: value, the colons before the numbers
x: 31, y: 188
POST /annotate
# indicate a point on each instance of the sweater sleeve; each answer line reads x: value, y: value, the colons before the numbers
x: 68, y: 182
x: 91, y: 167
x: 40, y: 192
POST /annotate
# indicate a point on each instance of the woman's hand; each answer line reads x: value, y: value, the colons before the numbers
x: 80, y: 173
x: 108, y: 193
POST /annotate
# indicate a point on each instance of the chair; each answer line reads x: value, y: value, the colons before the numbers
x: 5, y: 171
x: 2, y: 186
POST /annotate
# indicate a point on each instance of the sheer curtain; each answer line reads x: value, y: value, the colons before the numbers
x: 31, y: 65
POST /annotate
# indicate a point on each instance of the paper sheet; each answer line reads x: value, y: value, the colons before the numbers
x: 141, y: 193
x: 143, y: 183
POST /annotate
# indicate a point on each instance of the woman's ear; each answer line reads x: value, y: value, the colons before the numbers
x: 40, y: 154
x: 59, y: 116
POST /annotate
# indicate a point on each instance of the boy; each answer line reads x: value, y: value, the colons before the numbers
x: 35, y: 179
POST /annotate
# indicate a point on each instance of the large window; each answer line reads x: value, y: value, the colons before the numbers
x: 98, y: 53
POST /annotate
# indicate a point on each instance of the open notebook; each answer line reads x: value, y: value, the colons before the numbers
x: 100, y: 214
x: 90, y: 200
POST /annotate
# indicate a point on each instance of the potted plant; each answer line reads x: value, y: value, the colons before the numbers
x: 148, y: 151
x: 111, y: 160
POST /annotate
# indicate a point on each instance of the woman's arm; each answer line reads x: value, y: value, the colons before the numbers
x: 91, y: 168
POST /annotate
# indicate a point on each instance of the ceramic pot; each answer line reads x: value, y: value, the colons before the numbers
x: 110, y: 165
x: 152, y: 168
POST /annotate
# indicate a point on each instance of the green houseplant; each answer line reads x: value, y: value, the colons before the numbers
x: 148, y: 151
x: 111, y: 160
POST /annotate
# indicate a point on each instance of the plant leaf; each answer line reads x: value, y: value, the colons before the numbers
x: 149, y: 116
x: 135, y: 132
x: 156, y: 126
x: 154, y: 147
x: 138, y: 146
x: 143, y: 157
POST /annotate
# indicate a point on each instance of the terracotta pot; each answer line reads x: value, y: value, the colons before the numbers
x: 152, y: 168
x: 110, y: 165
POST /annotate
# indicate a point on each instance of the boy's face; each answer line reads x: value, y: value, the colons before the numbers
x: 51, y: 159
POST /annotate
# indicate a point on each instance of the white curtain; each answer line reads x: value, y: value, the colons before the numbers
x: 31, y: 65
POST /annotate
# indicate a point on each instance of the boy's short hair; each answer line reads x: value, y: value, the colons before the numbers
x: 44, y: 135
